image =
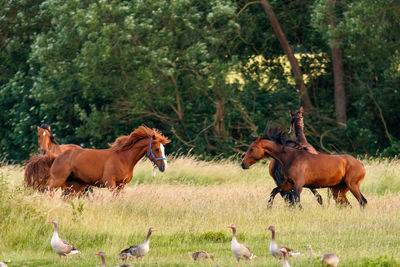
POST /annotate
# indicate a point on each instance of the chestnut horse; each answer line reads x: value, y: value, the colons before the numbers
x: 48, y: 144
x: 113, y: 167
x: 275, y: 169
x: 303, y: 169
x: 37, y: 169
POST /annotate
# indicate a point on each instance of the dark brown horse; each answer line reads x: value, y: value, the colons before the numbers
x: 113, y: 167
x: 303, y: 169
x: 275, y: 169
x: 37, y: 168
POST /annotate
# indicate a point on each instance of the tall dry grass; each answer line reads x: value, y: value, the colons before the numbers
x: 191, y: 204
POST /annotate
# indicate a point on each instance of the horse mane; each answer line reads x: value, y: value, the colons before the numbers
x: 47, y: 127
x: 277, y: 135
x: 125, y: 142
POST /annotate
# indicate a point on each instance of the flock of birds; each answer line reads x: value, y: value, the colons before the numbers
x: 240, y: 251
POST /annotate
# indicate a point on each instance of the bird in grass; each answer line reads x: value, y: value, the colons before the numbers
x: 198, y: 255
x: 274, y: 248
x: 285, y: 256
x: 61, y: 247
x: 103, y: 260
x: 330, y: 259
x: 137, y: 251
x: 240, y: 251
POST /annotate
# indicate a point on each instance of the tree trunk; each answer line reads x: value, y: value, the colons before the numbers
x: 306, y: 102
x: 340, y: 93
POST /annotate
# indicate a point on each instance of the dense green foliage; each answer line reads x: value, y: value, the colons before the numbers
x: 94, y: 70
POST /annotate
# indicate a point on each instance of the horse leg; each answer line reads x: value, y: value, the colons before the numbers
x: 297, y: 192
x: 275, y: 170
x: 58, y: 175
x: 355, y: 190
x: 275, y: 191
x: 284, y: 186
x: 317, y: 195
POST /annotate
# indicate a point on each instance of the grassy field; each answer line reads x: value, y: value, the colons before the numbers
x: 191, y: 204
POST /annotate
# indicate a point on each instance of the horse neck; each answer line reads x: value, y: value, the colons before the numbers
x: 136, y: 152
x: 53, y: 149
x: 275, y: 150
x: 298, y: 130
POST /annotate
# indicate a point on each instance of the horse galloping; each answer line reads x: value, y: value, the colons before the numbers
x: 113, y: 167
x: 303, y: 169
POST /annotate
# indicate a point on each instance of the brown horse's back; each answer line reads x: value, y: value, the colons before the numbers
x: 68, y: 147
x: 83, y: 163
x: 323, y: 170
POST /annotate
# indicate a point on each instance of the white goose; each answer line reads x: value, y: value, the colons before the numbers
x: 61, y: 247
x: 275, y: 249
x: 137, y: 251
x: 240, y: 251
x: 330, y: 259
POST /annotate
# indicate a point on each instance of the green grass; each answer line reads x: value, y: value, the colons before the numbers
x: 191, y: 204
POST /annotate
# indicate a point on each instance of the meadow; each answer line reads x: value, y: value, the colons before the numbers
x: 191, y: 204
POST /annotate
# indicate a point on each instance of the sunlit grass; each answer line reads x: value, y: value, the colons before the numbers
x: 191, y: 204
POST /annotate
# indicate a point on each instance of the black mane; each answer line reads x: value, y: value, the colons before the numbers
x: 276, y: 135
x: 47, y: 127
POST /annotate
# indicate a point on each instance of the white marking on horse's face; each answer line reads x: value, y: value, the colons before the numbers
x: 44, y: 133
x: 163, y: 155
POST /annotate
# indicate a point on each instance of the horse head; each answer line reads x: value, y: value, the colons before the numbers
x: 254, y: 153
x: 296, y: 119
x: 156, y: 151
x: 44, y: 134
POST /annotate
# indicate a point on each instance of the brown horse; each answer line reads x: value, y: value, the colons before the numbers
x: 113, y: 167
x: 303, y: 169
x: 275, y: 169
x: 37, y: 168
x: 48, y: 144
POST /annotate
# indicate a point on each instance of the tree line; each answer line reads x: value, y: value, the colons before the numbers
x: 206, y: 73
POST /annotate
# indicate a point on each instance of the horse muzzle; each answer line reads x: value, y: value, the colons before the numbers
x: 244, y: 166
x: 161, y: 168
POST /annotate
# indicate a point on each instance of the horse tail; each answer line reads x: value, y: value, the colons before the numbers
x: 37, y: 172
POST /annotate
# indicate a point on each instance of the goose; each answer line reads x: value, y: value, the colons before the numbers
x: 274, y: 248
x: 240, y: 251
x: 200, y: 255
x: 61, y: 247
x: 285, y: 256
x: 103, y: 260
x: 137, y: 251
x: 330, y: 259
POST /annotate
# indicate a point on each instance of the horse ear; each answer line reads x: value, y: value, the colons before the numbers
x: 291, y: 113
x: 253, y: 137
x: 301, y: 110
x: 38, y: 128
